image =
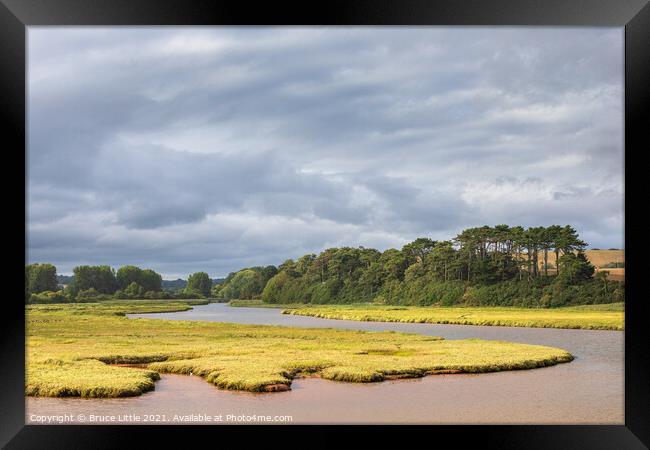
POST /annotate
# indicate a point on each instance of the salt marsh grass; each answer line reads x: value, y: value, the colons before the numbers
x: 593, y: 317
x: 71, y: 349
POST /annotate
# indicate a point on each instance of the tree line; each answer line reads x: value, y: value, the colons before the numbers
x: 499, y: 265
x: 90, y: 283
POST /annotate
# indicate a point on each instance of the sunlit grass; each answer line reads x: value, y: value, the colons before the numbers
x: 86, y: 378
x: 120, y: 307
x: 70, y: 347
x: 595, y: 317
x: 261, y: 304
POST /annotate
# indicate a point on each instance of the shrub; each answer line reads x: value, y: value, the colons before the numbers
x: 49, y: 297
x: 86, y: 295
x: 134, y: 290
x: 188, y: 293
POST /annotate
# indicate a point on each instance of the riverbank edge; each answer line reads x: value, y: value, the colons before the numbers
x: 338, y: 312
x: 432, y: 320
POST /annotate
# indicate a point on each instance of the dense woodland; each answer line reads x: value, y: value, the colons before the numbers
x: 499, y: 265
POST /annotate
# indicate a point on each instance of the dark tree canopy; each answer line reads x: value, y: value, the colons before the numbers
x: 100, y: 278
x: 40, y: 278
x: 149, y: 280
x: 482, y: 265
x: 248, y: 283
x: 126, y: 275
x: 200, y: 282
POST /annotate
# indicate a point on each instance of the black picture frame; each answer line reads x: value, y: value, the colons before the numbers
x: 634, y: 15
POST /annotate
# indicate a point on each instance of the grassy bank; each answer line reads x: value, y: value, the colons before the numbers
x: 70, y: 347
x: 120, y: 307
x: 261, y: 304
x: 593, y: 317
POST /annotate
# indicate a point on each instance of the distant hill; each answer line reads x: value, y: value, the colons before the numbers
x: 600, y: 259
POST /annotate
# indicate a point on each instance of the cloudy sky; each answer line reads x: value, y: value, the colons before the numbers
x: 186, y: 149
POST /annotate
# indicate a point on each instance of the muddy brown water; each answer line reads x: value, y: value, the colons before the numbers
x: 588, y: 390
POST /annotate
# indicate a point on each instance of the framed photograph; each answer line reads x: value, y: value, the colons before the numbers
x: 331, y: 218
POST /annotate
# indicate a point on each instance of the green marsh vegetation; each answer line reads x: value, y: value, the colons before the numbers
x: 72, y: 350
x: 594, y: 317
x: 607, y: 316
x: 120, y: 307
x: 261, y: 304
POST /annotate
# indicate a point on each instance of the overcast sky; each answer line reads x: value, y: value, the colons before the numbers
x: 187, y: 149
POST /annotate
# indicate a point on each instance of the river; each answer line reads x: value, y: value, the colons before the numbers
x: 588, y: 390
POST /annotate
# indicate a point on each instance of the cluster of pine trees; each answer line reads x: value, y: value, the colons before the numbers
x: 499, y: 265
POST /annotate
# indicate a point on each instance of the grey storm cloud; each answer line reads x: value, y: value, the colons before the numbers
x: 185, y: 149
